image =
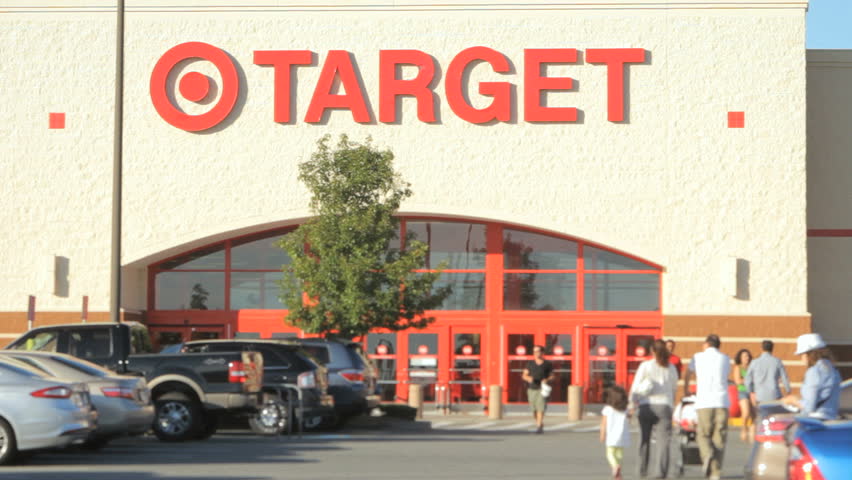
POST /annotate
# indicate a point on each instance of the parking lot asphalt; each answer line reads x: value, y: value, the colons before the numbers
x: 438, y: 453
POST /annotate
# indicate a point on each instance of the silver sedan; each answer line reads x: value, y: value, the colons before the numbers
x: 123, y: 402
x: 38, y: 411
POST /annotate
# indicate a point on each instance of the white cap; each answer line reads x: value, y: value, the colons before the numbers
x: 807, y: 342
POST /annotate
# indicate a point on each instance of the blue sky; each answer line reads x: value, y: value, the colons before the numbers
x: 829, y: 24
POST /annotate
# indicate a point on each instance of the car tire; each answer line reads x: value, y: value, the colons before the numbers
x: 271, y: 419
x: 177, y: 418
x: 8, y: 444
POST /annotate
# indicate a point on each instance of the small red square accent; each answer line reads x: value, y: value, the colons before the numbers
x: 57, y: 120
x: 736, y: 119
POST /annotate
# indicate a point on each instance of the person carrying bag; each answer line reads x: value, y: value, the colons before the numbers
x: 652, y: 394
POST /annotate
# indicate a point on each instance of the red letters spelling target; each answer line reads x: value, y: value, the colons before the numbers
x: 194, y: 86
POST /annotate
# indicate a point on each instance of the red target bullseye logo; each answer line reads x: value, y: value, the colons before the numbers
x: 194, y: 86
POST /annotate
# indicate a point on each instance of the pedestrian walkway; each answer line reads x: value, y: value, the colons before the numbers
x: 513, y: 421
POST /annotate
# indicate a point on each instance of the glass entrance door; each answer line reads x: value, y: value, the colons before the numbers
x: 383, y: 348
x: 465, y: 379
x: 613, y: 356
x: 558, y: 349
x: 423, y: 362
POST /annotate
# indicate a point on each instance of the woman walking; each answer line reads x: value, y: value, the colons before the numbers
x: 821, y: 387
x: 742, y: 360
x: 653, y: 391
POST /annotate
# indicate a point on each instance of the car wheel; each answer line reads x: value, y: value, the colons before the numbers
x: 8, y: 445
x: 270, y: 419
x: 177, y: 418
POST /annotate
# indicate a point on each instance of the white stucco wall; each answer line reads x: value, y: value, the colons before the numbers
x: 673, y: 184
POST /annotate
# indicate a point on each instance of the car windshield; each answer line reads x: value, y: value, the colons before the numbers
x: 42, y: 341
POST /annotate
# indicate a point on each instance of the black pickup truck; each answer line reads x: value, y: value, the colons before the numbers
x: 190, y: 390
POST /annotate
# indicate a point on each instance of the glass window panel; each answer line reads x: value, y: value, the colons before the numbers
x: 462, y: 340
x: 210, y: 258
x: 258, y: 290
x: 554, y: 340
x: 259, y: 253
x: 520, y: 340
x: 622, y: 292
x: 462, y: 245
x: 387, y: 341
x: 602, y: 345
x: 561, y: 381
x: 639, y: 345
x: 525, y: 250
x: 190, y: 291
x: 468, y: 291
x: 597, y: 259
x: 423, y: 344
x: 540, y: 291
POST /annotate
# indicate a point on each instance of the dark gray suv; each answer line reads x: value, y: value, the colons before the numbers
x: 352, y: 377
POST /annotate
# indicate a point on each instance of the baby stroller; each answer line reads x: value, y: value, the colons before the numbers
x: 685, y: 418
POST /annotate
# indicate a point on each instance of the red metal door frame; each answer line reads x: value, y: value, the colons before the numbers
x: 621, y: 357
x: 539, y: 329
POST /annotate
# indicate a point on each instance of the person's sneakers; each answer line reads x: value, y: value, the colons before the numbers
x: 540, y: 429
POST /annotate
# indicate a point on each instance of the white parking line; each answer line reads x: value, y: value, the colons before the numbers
x: 516, y: 426
x: 441, y: 424
x: 476, y: 426
x: 587, y: 429
x: 561, y: 426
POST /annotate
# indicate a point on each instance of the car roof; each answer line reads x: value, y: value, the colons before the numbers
x: 320, y: 340
x: 265, y: 341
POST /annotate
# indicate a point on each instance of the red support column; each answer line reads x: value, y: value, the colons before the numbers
x: 492, y: 355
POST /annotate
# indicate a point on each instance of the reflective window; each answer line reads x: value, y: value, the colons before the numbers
x: 382, y: 348
x: 259, y: 253
x: 540, y: 291
x: 42, y: 341
x: 622, y: 292
x: 468, y: 291
x: 558, y: 344
x: 209, y: 258
x: 461, y: 245
x: 190, y: 291
x: 256, y: 290
x: 597, y: 259
x: 531, y: 251
x: 466, y: 343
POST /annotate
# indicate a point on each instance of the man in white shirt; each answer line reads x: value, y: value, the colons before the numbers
x: 711, y: 368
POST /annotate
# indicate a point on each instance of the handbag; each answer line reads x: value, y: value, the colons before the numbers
x: 546, y: 389
x: 644, y: 387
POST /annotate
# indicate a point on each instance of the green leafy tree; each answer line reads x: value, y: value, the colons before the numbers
x: 345, y: 277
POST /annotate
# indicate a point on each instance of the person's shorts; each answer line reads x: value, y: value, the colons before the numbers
x: 741, y: 395
x: 614, y: 455
x: 537, y: 402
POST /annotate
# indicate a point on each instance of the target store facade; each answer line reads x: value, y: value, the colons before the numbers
x: 595, y: 174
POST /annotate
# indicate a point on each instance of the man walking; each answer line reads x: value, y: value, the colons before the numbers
x: 765, y: 374
x: 674, y: 359
x: 711, y: 368
x: 538, y: 371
